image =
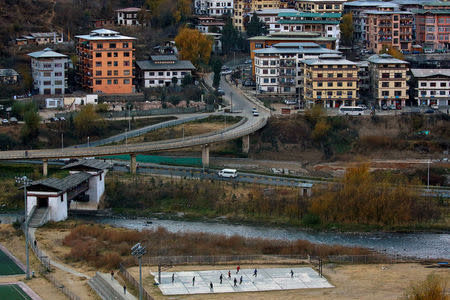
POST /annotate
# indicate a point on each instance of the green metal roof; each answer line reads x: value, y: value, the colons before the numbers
x: 310, y: 15
x: 281, y: 38
x: 432, y: 11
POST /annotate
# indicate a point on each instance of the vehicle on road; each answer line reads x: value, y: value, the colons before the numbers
x: 392, y: 107
x: 54, y: 119
x: 428, y: 50
x: 224, y: 68
x: 363, y: 106
x: 351, y: 110
x: 255, y: 113
x: 429, y: 111
x: 248, y: 83
x: 227, y: 173
x: 226, y: 72
x: 248, y: 61
x: 5, y: 122
x: 13, y: 120
x: 290, y: 101
x: 220, y: 91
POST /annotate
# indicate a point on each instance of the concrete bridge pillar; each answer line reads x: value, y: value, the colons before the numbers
x: 133, y: 164
x: 45, y: 167
x: 246, y: 144
x: 205, y: 155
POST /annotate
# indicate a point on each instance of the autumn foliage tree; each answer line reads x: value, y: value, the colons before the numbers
x: 87, y: 121
x: 395, y: 53
x: 362, y: 198
x: 194, y: 46
x: 347, y: 29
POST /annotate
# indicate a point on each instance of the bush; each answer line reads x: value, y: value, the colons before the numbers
x: 311, y: 220
x: 433, y: 288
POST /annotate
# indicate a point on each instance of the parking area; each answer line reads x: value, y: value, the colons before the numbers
x: 199, y: 282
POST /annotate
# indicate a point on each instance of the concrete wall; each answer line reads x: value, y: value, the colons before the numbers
x: 57, y: 205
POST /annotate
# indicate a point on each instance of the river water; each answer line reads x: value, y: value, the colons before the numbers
x: 420, y: 245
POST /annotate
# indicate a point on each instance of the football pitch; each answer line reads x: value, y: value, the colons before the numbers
x: 8, y: 266
x: 13, y: 292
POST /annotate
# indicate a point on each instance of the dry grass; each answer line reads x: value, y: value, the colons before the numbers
x: 433, y: 288
x: 105, y: 247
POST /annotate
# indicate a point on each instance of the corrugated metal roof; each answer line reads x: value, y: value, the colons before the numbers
x: 421, y: 73
x: 385, y: 59
x: 328, y: 59
x: 63, y: 184
x: 148, y: 65
x: 90, y: 163
x: 309, y: 15
x: 328, y: 22
x: 8, y: 72
x: 46, y: 53
x: 163, y: 57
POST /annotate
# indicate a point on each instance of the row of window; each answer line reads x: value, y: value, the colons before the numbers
x: 56, y: 82
x: 434, y: 84
x: 220, y: 4
x: 321, y: 6
x: 112, y: 81
x: 385, y: 84
x: 434, y: 93
x: 174, y: 73
x: 112, y: 54
x: 396, y: 93
x: 337, y: 93
x: 396, y: 75
x: 339, y: 84
x: 112, y: 45
x: 110, y: 73
x: 126, y: 63
x: 50, y: 65
x: 49, y: 74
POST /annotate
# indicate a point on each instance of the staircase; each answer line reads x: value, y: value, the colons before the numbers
x: 106, y: 288
x: 39, y: 217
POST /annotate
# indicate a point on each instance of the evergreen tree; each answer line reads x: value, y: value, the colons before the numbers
x: 256, y: 27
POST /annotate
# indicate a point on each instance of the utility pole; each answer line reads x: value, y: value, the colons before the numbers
x: 129, y: 118
x: 231, y: 102
x: 25, y: 181
x: 62, y: 140
x: 428, y: 176
x: 126, y: 137
x: 88, y: 143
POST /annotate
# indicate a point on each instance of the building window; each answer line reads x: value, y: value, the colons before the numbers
x: 330, y: 75
x: 349, y: 94
x: 330, y: 84
x: 339, y: 84
x: 319, y: 84
x: 126, y: 81
x: 442, y: 93
x: 126, y: 63
x: 126, y: 54
x: 398, y: 75
x: 385, y: 75
x: 109, y: 63
x: 115, y: 64
x: 116, y: 81
x: 109, y: 73
x: 443, y: 84
x: 349, y: 83
x: 116, y: 54
x: 433, y: 84
x: 385, y: 84
x: 98, y: 54
x: 112, y: 45
x: 160, y: 73
x: 125, y: 45
x: 98, y: 73
x: 167, y: 73
x: 423, y: 84
x: 47, y: 74
x: 109, y: 54
x: 58, y: 74
x: 98, y: 63
x: 99, y: 46
x: 266, y: 80
x: 339, y: 75
x: 116, y: 72
x: 47, y: 83
x: 175, y: 73
x: 98, y: 82
x: 109, y: 81
x: 151, y: 74
x: 398, y: 93
x: 398, y: 84
x: 126, y: 72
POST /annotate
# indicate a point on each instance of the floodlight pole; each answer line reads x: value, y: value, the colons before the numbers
x: 25, y: 181
x: 140, y: 277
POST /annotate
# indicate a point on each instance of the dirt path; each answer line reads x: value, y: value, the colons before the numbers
x: 359, y: 282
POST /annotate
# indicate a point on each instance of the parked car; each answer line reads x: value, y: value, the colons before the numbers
x: 13, y: 120
x: 428, y: 51
x: 220, y: 91
x: 248, y: 83
x: 290, y: 102
x: 224, y: 68
x: 228, y: 173
x: 54, y: 119
x: 5, y: 122
x: 392, y: 107
x: 248, y: 61
x: 226, y: 72
x: 254, y: 109
x: 363, y: 106
x: 429, y: 111
x: 62, y: 119
x: 384, y: 107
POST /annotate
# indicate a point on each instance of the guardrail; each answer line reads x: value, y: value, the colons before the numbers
x: 132, y: 281
x: 136, y: 148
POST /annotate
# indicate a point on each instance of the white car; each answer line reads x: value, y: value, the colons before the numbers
x: 227, y: 173
x: 226, y: 72
x: 255, y: 114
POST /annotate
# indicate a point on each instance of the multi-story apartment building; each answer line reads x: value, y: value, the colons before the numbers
x: 389, y: 29
x: 105, y: 62
x: 363, y: 78
x: 433, y: 28
x: 320, y: 6
x: 271, y: 16
x: 327, y: 24
x: 213, y: 8
x: 431, y: 86
x: 330, y: 80
x: 49, y: 72
x: 388, y: 80
x: 278, y: 71
x: 162, y: 70
x: 358, y: 8
x: 242, y: 9
x: 128, y: 16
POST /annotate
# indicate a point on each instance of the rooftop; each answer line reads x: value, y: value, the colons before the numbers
x: 129, y: 9
x: 328, y: 59
x: 275, y: 11
x: 305, y: 48
x: 46, y: 53
x: 385, y: 59
x: 149, y: 65
x: 61, y: 185
x: 329, y: 22
x: 309, y: 15
x: 292, y: 36
x: 372, y: 4
x: 380, y: 12
x: 431, y: 11
x: 8, y: 72
x: 423, y: 73
x: 88, y: 163
x: 104, y: 34
x: 163, y: 57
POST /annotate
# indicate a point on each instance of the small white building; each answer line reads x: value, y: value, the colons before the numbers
x: 49, y: 72
x: 53, y: 103
x: 50, y: 199
x: 40, y: 38
x: 208, y: 24
x: 213, y: 8
x: 128, y: 16
x: 161, y: 69
x: 432, y: 87
x: 81, y: 100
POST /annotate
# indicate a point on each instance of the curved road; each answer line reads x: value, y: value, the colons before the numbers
x: 240, y: 102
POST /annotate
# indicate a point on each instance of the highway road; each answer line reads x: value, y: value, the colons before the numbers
x: 248, y: 125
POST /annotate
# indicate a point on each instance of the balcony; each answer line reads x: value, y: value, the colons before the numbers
x: 385, y: 24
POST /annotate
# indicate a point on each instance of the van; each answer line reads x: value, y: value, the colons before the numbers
x: 228, y: 173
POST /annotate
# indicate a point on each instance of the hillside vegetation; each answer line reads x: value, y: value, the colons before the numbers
x: 315, y: 137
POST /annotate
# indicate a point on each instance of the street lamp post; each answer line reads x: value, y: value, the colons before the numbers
x: 62, y: 141
x: 25, y: 181
x: 126, y: 137
x: 129, y: 118
x: 138, y: 251
x: 88, y: 143
x: 231, y: 102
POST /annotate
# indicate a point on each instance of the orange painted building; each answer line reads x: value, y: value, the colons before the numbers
x: 106, y: 62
